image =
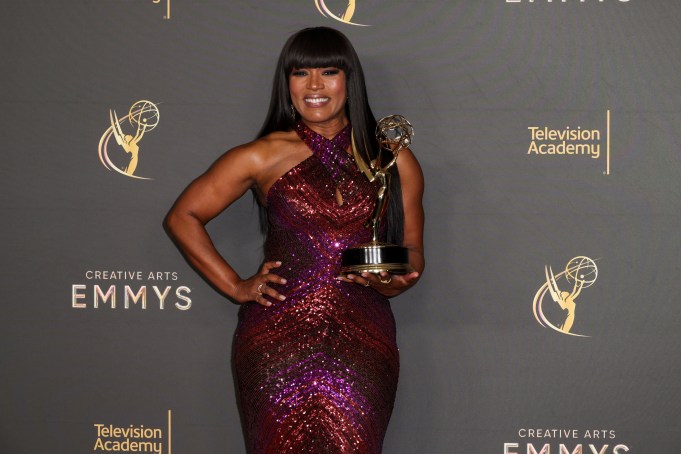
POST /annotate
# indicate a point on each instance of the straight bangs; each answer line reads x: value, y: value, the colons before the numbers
x: 318, y: 48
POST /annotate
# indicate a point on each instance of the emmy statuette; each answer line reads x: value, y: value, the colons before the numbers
x: 394, y: 133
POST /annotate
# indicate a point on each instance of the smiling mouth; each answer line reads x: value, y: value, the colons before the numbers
x: 316, y: 101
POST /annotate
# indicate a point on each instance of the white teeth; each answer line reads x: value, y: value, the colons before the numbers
x: 316, y: 100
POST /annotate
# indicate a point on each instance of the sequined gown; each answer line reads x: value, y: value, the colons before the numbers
x: 317, y: 373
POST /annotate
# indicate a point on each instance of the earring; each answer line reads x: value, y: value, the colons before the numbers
x: 293, y: 113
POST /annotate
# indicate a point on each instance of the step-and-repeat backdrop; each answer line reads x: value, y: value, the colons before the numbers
x: 548, y: 320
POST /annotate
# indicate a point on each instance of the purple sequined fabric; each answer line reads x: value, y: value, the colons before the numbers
x: 317, y: 373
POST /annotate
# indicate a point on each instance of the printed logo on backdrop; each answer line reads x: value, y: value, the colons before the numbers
x: 165, y: 3
x: 123, y: 156
x: 556, y: 303
x: 346, y: 10
x: 133, y: 437
x: 578, y: 141
x: 567, y: 1
x: 565, y: 441
x: 130, y: 290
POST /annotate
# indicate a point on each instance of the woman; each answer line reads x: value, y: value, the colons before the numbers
x: 315, y: 355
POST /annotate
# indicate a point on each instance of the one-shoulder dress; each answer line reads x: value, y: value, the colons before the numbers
x: 317, y: 373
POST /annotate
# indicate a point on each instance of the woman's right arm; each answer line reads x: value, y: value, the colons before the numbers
x: 224, y: 182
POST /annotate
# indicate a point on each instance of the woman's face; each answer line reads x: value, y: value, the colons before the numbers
x: 319, y: 95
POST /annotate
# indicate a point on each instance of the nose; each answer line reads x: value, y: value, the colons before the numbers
x: 315, y: 82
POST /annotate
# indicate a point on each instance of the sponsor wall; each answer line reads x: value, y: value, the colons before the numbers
x: 547, y: 321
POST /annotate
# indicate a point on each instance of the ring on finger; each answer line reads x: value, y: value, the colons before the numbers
x: 386, y: 281
x: 259, y: 289
x: 368, y: 284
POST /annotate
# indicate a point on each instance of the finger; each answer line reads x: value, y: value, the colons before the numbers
x: 274, y: 278
x: 368, y: 279
x: 267, y: 266
x: 371, y: 278
x: 411, y: 276
x: 360, y: 280
x: 260, y: 299
x: 355, y: 279
x: 385, y: 278
x: 404, y: 280
x: 267, y: 290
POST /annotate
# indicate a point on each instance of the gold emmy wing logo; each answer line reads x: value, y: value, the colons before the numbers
x: 167, y: 16
x: 167, y: 2
x: 142, y: 117
x: 345, y: 17
x: 580, y: 273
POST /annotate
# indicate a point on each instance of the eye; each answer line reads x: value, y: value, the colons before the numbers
x: 298, y: 72
x: 331, y: 71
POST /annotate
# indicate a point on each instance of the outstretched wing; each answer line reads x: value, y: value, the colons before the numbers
x: 361, y: 165
x: 349, y: 11
x: 116, y: 128
x: 553, y: 286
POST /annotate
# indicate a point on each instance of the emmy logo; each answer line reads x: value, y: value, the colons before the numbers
x: 344, y: 17
x: 580, y: 273
x: 143, y: 116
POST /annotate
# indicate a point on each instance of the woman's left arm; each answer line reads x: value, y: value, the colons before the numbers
x: 411, y: 181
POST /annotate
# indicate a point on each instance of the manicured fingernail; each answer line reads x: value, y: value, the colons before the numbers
x: 278, y: 262
x: 268, y: 304
x: 282, y: 297
x: 283, y: 281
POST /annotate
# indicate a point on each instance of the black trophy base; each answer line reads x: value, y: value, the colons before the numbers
x: 374, y: 258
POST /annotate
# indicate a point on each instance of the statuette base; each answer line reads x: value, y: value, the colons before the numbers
x: 374, y: 258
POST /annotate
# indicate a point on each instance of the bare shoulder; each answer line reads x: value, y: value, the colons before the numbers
x: 261, y: 162
x: 275, y: 145
x: 256, y: 155
x: 409, y: 165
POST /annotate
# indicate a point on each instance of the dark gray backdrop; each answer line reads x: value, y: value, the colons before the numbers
x: 478, y: 371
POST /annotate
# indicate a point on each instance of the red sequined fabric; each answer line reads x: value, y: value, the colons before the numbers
x: 317, y: 373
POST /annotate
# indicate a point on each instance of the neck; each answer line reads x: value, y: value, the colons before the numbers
x: 328, y: 129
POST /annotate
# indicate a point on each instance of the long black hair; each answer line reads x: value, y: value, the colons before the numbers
x: 322, y: 47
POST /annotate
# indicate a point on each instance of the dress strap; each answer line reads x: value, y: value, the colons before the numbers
x: 331, y: 152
